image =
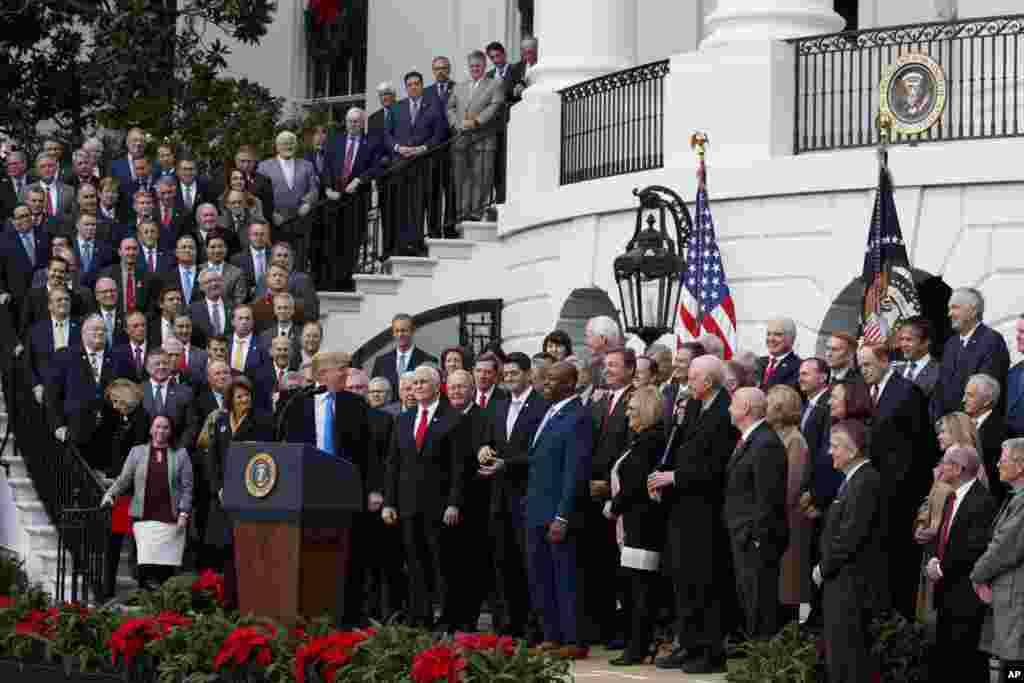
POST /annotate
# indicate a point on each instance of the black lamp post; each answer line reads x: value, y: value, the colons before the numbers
x: 649, y: 274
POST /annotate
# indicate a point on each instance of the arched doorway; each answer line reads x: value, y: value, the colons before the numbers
x: 844, y: 314
x: 582, y: 305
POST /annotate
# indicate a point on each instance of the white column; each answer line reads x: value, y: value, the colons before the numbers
x: 759, y: 20
x: 581, y: 39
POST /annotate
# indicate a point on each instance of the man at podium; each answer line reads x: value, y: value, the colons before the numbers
x: 335, y: 421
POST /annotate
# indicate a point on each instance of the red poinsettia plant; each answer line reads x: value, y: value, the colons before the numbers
x: 210, y: 585
x: 443, y: 663
x: 245, y: 644
x: 41, y: 623
x: 486, y: 642
x: 327, y: 654
x: 132, y: 635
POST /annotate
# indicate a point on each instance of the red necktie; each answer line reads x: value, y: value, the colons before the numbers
x: 280, y: 379
x: 138, y: 358
x: 167, y: 216
x: 421, y: 430
x: 482, y: 401
x: 947, y: 519
x: 350, y: 155
x: 49, y: 201
x: 769, y: 371
x: 129, y: 294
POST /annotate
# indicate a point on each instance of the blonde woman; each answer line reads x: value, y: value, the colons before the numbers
x: 783, y: 415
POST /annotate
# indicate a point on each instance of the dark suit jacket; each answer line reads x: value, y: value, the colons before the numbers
x: 173, y: 278
x: 40, y: 348
x: 177, y: 400
x: 124, y: 363
x: 165, y: 260
x: 8, y: 197
x: 203, y: 403
x: 255, y: 427
x: 643, y: 520
x: 147, y: 289
x: 926, y: 378
x: 902, y: 443
x: 370, y: 160
x: 969, y: 535
x: 852, y: 541
x: 430, y: 127
x: 379, y: 425
x: 755, y: 493
x: 986, y: 352
x: 201, y: 317
x: 991, y: 436
x: 821, y: 479
x: 611, y: 434
x: 425, y: 482
x: 261, y: 187
x: 201, y: 195
x: 103, y: 255
x: 73, y: 397
x: 513, y: 449
x: 15, y: 268
x: 243, y: 260
x: 697, y: 455
x: 786, y: 372
x: 1014, y: 391
x: 36, y: 306
x: 385, y: 365
x: 560, y: 466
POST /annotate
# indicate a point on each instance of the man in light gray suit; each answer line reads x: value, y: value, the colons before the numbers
x: 236, y: 281
x: 915, y: 338
x: 296, y: 188
x: 471, y: 106
x: 999, y: 573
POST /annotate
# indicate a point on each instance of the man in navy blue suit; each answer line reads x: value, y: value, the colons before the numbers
x: 442, y: 87
x: 1015, y: 389
x: 247, y: 356
x: 123, y: 168
x: 559, y: 458
x: 74, y: 393
x: 420, y: 123
x: 49, y: 335
x: 975, y: 348
x: 406, y: 356
x: 93, y: 255
x: 781, y: 365
x: 22, y: 251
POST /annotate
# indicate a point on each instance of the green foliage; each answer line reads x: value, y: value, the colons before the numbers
x: 789, y: 657
x: 13, y: 578
x: 902, y: 647
x: 387, y: 656
x: 521, y: 666
x: 186, y: 654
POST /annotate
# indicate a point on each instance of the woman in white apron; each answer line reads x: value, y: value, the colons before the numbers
x: 161, y: 504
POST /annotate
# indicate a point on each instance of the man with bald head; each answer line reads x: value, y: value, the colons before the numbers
x: 781, y: 365
x: 689, y: 480
x: 755, y: 511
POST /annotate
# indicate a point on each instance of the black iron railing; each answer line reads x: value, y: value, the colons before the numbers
x: 64, y: 482
x: 614, y: 124
x: 838, y: 78
x: 424, y: 196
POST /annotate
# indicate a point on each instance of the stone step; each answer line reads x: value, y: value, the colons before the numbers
x: 32, y: 512
x: 22, y: 489
x: 451, y: 249
x: 411, y: 266
x: 479, y: 231
x: 16, y: 467
x: 386, y: 285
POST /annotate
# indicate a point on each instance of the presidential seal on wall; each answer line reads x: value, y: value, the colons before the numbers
x: 913, y: 93
x: 260, y: 475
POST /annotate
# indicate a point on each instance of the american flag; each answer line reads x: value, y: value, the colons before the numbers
x: 890, y: 295
x: 705, y: 305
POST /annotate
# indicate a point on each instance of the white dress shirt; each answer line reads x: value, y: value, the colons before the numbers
x: 217, y: 306
x: 321, y: 419
x: 515, y: 408
x: 65, y: 328
x: 288, y: 170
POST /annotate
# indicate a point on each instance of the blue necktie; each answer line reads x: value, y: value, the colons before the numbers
x: 188, y: 285
x: 87, y: 256
x: 30, y: 247
x: 842, y: 487
x: 329, y: 424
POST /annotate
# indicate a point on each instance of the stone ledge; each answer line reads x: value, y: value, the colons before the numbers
x: 411, y: 266
x: 340, y: 302
x: 450, y: 249
x: 479, y: 231
x: 377, y: 284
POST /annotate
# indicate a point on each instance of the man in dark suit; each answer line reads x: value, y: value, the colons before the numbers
x: 853, y: 563
x: 317, y: 155
x: 381, y: 123
x: 974, y: 348
x: 841, y: 357
x: 689, y: 481
x: 137, y: 289
x: 963, y: 537
x: 559, y: 467
x: 74, y: 394
x: 420, y: 123
x: 113, y: 317
x: 245, y: 355
x: 442, y: 87
x: 123, y: 168
x: 156, y: 253
x: 129, y: 359
x: 598, y: 550
x: 336, y: 422
x: 255, y: 260
x: 915, y: 339
x: 781, y: 365
x: 142, y: 186
x: 212, y: 315
x: 903, y: 450
x: 12, y: 184
x: 504, y: 456
x: 755, y: 511
x: 93, y: 255
x: 161, y: 397
x: 405, y: 357
x: 47, y: 336
x: 37, y: 305
x: 980, y: 400
x: 191, y: 190
x: 1015, y: 388
x: 22, y: 251
x: 424, y: 491
x: 161, y: 323
x: 184, y: 276
x: 174, y: 220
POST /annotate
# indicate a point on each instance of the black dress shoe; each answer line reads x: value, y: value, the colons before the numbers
x: 705, y: 664
x: 674, y: 660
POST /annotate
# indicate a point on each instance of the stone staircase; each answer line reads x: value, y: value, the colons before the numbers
x: 410, y: 283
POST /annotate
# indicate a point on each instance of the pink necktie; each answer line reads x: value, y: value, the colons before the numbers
x: 350, y: 155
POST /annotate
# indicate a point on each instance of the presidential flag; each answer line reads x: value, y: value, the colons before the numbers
x: 890, y: 296
x: 705, y: 306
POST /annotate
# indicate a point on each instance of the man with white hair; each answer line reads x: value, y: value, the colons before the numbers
x: 975, y: 348
x: 378, y: 393
x: 601, y: 333
x: 296, y: 184
x: 755, y: 511
x: 382, y: 121
x: 424, y: 490
x: 981, y: 396
x: 781, y: 365
x: 13, y: 183
x: 686, y: 479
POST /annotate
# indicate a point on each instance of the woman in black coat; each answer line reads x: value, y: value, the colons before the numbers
x: 237, y: 422
x: 640, y: 521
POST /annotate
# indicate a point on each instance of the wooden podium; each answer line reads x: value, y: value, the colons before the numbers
x: 292, y: 507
